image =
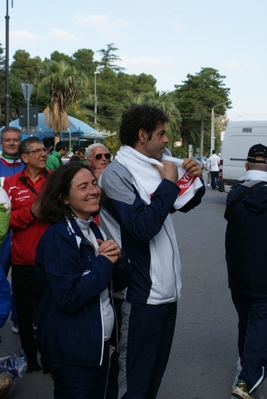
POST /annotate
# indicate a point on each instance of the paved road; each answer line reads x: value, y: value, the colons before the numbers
x: 203, y: 359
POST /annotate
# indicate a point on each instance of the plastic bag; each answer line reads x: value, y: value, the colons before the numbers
x: 16, y: 366
x: 11, y: 367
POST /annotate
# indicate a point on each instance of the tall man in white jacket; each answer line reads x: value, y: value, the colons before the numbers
x: 142, y: 189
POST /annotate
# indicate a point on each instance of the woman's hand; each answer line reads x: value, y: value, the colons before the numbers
x: 110, y: 249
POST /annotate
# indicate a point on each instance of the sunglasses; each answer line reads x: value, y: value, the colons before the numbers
x: 99, y: 156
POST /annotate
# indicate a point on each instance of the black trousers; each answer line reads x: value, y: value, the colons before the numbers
x: 23, y: 282
x: 252, y: 337
x: 214, y: 179
x: 145, y: 339
x: 73, y: 381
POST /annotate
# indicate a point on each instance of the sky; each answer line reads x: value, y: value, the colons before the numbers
x: 168, y: 39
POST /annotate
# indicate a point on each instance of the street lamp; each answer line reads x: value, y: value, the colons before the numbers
x: 95, y: 120
x: 7, y: 69
x: 212, y: 137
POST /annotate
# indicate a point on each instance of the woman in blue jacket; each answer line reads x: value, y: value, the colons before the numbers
x: 75, y: 264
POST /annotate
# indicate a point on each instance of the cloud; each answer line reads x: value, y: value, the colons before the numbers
x: 25, y: 40
x: 22, y: 36
x: 60, y: 34
x: 238, y: 65
x: 19, y: 39
x: 231, y: 65
x: 178, y: 26
x: 102, y: 24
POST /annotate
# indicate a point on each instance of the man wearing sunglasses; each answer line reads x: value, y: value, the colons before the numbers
x: 22, y: 189
x: 98, y: 157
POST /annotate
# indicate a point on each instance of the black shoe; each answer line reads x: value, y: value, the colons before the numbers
x: 46, y: 368
x: 33, y: 366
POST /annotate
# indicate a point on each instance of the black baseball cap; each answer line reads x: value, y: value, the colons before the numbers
x: 257, y: 150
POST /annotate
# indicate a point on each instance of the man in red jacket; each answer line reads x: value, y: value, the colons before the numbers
x: 22, y: 189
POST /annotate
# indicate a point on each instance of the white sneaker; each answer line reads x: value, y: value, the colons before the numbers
x: 15, y: 329
x: 238, y: 371
x: 240, y: 391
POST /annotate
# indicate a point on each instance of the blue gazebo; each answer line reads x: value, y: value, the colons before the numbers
x: 77, y: 130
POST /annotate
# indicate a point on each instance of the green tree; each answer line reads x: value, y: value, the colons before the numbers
x: 59, y: 84
x: 112, y: 90
x: 108, y: 58
x: 2, y: 85
x: 109, y: 109
x: 23, y: 69
x: 143, y: 83
x: 195, y: 99
x: 84, y: 61
x: 57, y: 57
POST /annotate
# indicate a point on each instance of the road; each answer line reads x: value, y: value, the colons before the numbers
x: 203, y: 359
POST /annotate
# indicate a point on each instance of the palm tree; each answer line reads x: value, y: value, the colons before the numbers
x: 58, y: 83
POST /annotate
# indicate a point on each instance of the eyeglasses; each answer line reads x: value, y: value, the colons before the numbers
x: 99, y: 156
x: 38, y: 151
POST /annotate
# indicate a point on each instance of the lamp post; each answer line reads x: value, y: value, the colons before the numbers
x: 212, y: 137
x: 7, y: 69
x: 95, y: 120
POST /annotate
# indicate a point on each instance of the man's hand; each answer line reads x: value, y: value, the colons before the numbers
x: 192, y: 167
x: 168, y: 171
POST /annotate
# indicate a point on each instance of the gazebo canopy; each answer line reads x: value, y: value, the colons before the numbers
x: 77, y: 129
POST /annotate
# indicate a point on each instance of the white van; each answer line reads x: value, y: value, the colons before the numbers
x: 238, y: 138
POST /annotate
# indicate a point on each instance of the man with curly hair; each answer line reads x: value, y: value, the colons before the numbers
x: 143, y: 186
